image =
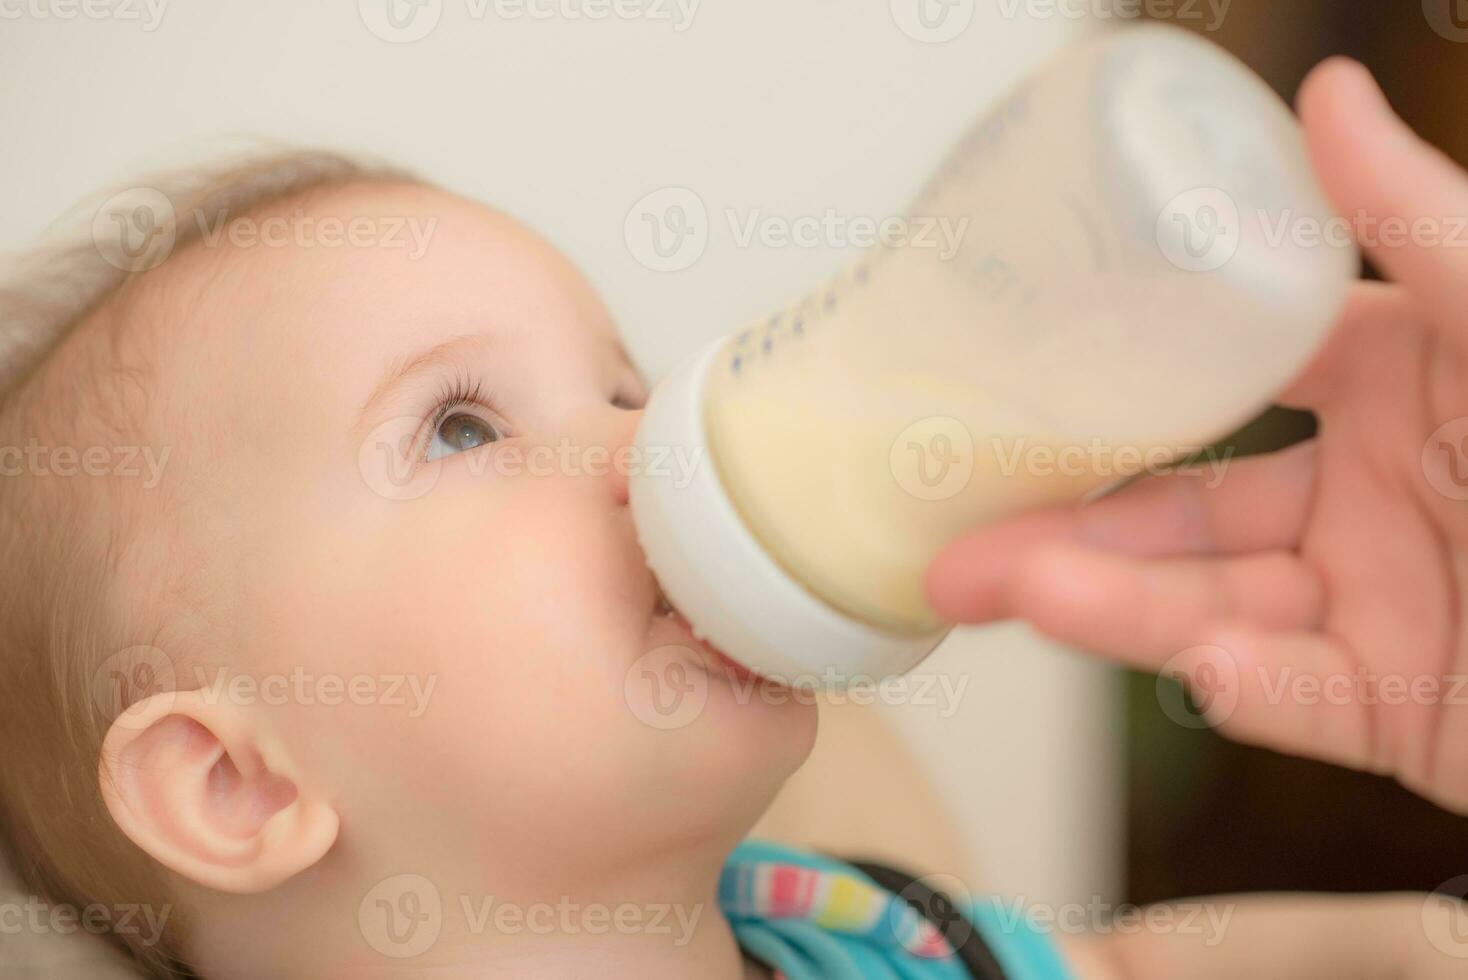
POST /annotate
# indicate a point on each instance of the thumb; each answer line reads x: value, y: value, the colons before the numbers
x: 1407, y: 200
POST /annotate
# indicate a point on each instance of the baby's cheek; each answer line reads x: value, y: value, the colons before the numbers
x: 500, y: 583
x: 576, y: 562
x: 507, y: 574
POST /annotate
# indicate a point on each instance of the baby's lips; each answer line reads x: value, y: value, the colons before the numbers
x: 717, y: 659
x: 714, y: 659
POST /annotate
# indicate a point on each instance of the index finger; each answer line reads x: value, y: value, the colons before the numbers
x: 1253, y: 505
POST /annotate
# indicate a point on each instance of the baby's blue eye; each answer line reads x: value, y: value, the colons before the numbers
x: 460, y: 432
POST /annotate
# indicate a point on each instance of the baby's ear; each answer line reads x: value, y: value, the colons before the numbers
x: 189, y: 780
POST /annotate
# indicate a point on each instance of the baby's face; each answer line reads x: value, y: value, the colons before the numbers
x: 400, y: 473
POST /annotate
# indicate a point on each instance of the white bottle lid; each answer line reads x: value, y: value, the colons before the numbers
x: 719, y: 576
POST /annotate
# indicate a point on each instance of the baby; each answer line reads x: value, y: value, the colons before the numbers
x: 347, y: 686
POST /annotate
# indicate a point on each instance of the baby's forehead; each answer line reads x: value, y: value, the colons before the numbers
x: 303, y: 298
x: 358, y: 260
x: 361, y: 230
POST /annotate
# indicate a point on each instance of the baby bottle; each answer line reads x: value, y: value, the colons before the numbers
x: 1133, y: 278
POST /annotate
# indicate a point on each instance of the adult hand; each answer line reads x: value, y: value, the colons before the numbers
x: 1330, y: 577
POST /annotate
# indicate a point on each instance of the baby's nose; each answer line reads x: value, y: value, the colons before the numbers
x: 620, y: 429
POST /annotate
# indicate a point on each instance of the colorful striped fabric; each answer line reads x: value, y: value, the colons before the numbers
x: 809, y: 917
x: 839, y: 901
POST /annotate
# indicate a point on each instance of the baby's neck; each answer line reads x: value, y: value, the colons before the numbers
x: 712, y: 953
x: 634, y: 924
x: 709, y: 951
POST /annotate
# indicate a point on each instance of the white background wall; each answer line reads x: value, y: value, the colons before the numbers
x: 786, y: 106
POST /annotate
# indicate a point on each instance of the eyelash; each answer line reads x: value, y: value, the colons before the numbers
x: 459, y: 392
x: 465, y: 389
